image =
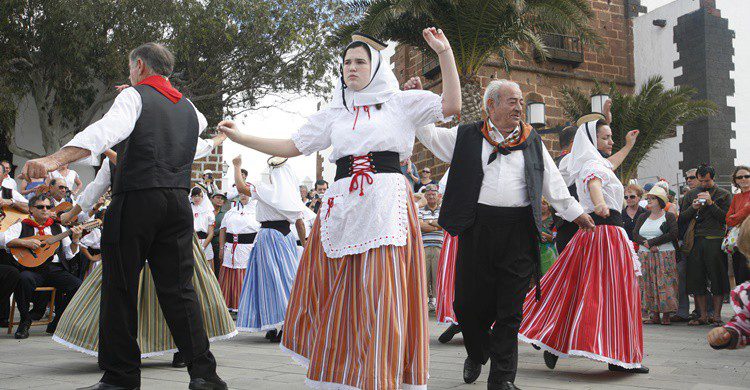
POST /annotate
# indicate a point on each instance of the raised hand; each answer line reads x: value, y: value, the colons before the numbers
x: 237, y: 161
x: 436, y: 39
x: 631, y: 137
x: 607, y: 111
x: 412, y: 83
x: 229, y: 129
x: 39, y: 167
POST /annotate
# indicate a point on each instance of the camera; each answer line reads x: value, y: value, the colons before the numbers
x: 702, y: 201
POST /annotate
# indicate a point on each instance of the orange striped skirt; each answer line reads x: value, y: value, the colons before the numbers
x: 361, y: 321
x: 230, y: 281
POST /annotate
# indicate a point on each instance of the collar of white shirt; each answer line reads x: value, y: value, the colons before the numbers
x: 496, y: 134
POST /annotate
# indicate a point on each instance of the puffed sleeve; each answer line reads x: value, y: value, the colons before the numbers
x: 421, y: 107
x: 595, y: 170
x: 315, y: 135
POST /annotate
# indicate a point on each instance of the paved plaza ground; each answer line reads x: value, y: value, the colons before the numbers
x: 678, y: 356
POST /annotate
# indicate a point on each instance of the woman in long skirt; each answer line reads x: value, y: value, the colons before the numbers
x: 239, y: 229
x: 357, y: 316
x: 203, y: 222
x: 79, y: 327
x: 590, y: 302
x: 273, y: 261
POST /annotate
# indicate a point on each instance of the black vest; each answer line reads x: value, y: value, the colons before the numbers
x: 28, y: 231
x: 159, y: 152
x: 466, y: 174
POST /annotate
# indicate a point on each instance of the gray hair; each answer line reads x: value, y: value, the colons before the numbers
x: 693, y: 170
x: 156, y: 56
x: 493, y: 90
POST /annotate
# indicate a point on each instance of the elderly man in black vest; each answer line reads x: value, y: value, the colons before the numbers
x: 500, y: 169
x: 154, y: 131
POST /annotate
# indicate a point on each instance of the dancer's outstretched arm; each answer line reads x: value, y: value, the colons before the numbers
x: 271, y: 146
x: 239, y: 181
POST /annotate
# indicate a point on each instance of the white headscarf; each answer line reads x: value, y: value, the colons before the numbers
x: 584, y: 151
x: 279, y: 189
x: 383, y: 85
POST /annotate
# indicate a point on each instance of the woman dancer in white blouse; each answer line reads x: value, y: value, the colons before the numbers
x: 364, y: 255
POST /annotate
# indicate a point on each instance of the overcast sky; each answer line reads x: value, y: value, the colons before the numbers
x: 281, y: 123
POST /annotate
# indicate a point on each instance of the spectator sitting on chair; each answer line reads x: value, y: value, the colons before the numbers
x: 53, y: 274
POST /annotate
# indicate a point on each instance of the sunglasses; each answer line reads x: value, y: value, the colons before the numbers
x: 631, y: 196
x: 691, y: 177
x: 43, y: 207
x: 425, y: 171
x: 742, y: 177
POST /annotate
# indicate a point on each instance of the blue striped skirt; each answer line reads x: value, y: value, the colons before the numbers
x: 268, y: 282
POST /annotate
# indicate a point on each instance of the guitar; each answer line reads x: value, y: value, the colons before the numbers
x: 9, y: 216
x: 34, y: 258
x: 62, y: 208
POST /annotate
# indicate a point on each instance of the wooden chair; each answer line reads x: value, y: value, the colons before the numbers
x: 43, y: 321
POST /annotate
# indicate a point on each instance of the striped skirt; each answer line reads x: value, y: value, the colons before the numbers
x: 268, y: 282
x: 361, y: 321
x: 79, y: 324
x: 230, y: 280
x: 446, y: 284
x: 590, y: 302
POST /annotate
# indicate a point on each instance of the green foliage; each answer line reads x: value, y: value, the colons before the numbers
x: 69, y: 54
x: 477, y: 29
x: 655, y: 110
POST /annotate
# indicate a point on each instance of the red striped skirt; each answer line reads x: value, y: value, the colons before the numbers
x: 446, y: 283
x: 590, y: 302
x: 230, y: 281
x: 361, y: 321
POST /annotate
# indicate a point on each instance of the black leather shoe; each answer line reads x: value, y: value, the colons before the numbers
x: 4, y: 323
x: 471, y: 370
x: 502, y: 386
x: 213, y: 383
x: 277, y: 337
x: 639, y: 370
x: 271, y: 334
x: 177, y: 361
x: 51, y: 328
x: 23, y: 330
x: 449, y: 333
x: 550, y: 360
x: 107, y: 386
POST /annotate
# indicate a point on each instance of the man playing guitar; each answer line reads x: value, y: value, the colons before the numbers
x: 55, y: 272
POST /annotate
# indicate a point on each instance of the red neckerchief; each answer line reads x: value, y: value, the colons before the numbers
x: 564, y: 153
x: 163, y: 86
x: 38, y: 227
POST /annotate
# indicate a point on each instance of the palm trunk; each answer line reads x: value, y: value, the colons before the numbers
x: 471, y: 99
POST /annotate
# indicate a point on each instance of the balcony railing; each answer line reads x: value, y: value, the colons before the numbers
x: 562, y: 48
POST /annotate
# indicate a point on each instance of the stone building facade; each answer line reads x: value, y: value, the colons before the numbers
x: 571, y: 63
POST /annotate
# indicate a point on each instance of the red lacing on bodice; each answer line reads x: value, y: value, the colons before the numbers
x: 330, y: 206
x: 360, y: 171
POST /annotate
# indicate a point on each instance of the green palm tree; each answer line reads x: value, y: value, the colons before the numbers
x: 477, y: 30
x: 655, y: 110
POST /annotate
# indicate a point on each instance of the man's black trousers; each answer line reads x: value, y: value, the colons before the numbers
x: 153, y: 224
x: 495, y: 261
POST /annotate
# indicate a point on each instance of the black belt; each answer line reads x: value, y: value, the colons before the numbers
x: 244, y: 238
x: 202, y: 235
x: 503, y: 215
x: 377, y: 162
x: 614, y: 219
x: 280, y: 226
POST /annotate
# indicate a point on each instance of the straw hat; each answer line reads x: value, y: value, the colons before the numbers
x: 659, y: 192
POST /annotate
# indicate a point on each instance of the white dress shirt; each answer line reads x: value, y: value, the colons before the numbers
x: 504, y: 183
x: 17, y: 197
x: 116, y: 125
x: 8, y: 182
x: 94, y: 190
x: 14, y: 232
